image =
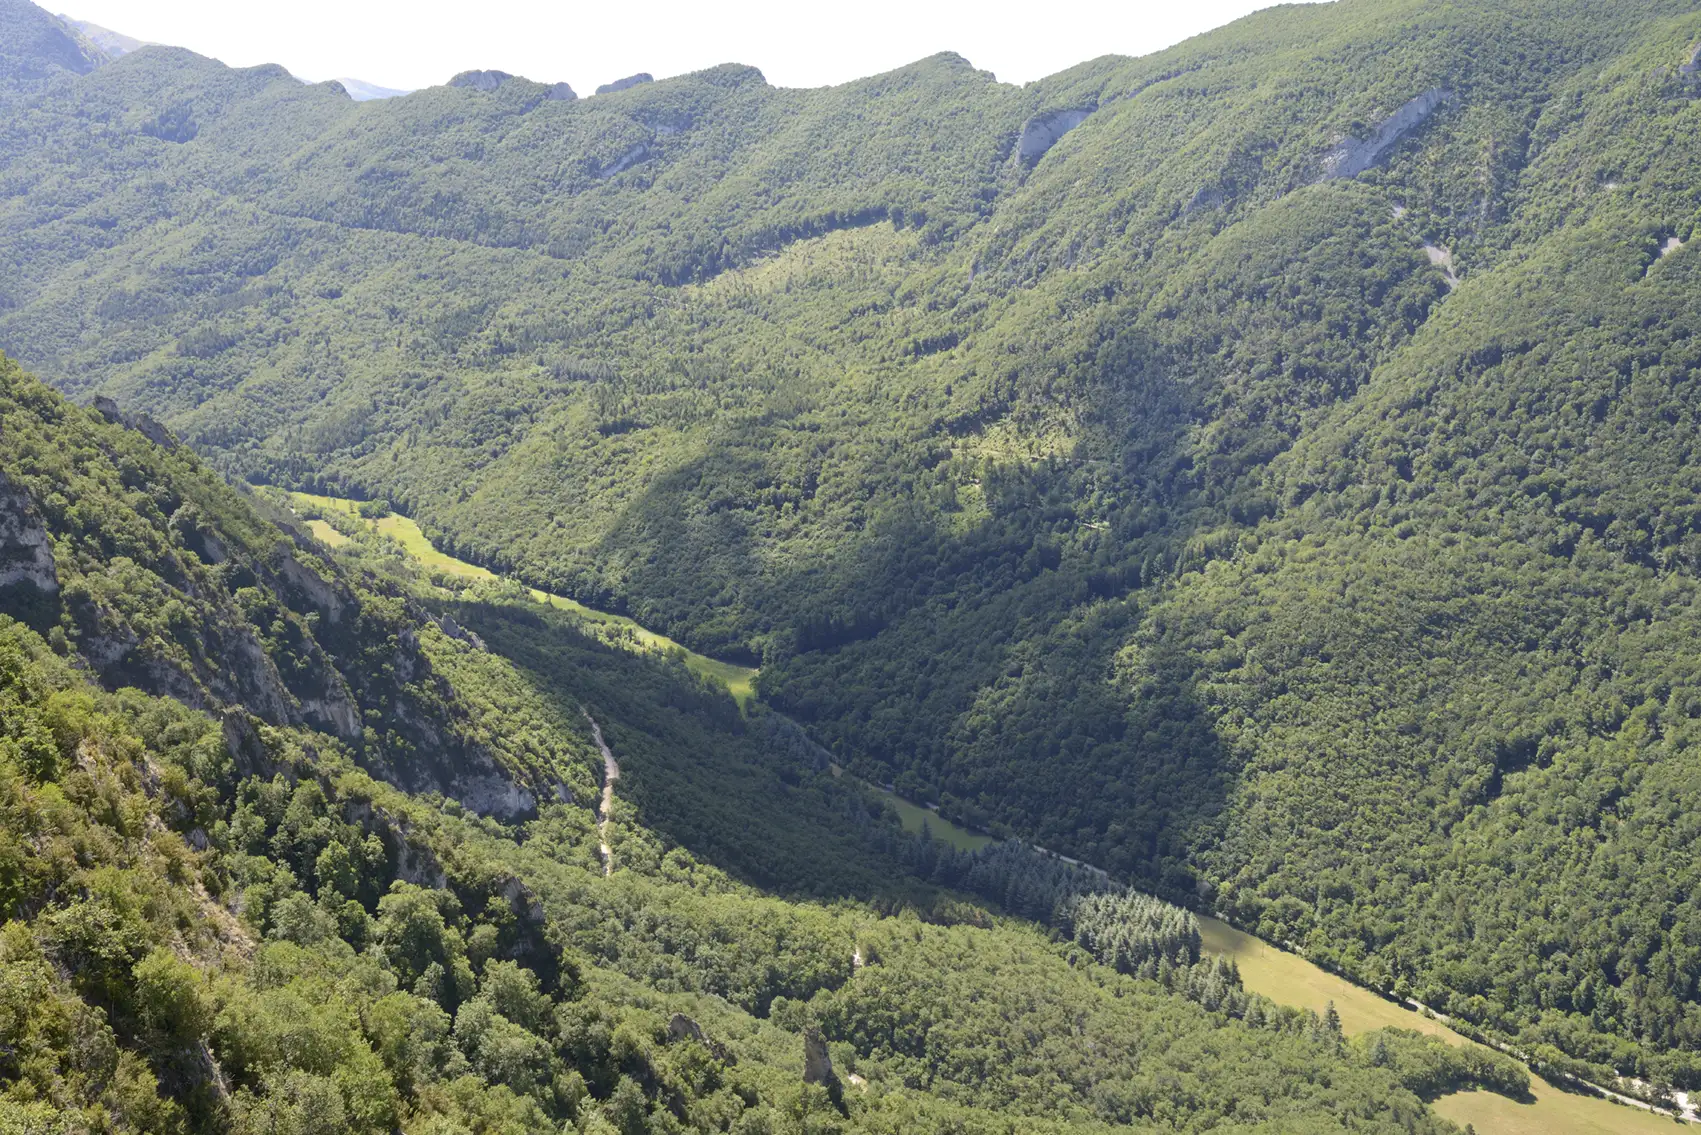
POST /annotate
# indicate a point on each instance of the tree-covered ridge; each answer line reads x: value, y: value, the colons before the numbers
x: 155, y: 573
x: 213, y: 923
x: 193, y: 947
x: 1160, y: 499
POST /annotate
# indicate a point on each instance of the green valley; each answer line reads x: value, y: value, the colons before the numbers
x: 224, y: 912
x: 1266, y: 469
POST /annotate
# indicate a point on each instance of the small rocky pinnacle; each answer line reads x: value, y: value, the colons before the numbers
x: 817, y: 1063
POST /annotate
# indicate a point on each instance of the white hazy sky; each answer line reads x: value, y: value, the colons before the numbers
x: 417, y: 43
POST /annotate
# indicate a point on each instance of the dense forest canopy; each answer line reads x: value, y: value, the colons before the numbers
x: 1262, y: 469
x: 221, y: 909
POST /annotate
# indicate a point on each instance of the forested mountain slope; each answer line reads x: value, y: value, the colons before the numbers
x: 1274, y: 487
x: 214, y: 918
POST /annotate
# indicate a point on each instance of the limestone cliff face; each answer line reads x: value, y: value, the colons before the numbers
x: 257, y: 627
x: 634, y: 155
x: 1041, y: 132
x: 1355, y: 155
x: 26, y: 552
x: 485, y: 81
x: 141, y: 423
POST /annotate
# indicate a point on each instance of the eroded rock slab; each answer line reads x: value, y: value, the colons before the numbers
x: 638, y: 153
x: 26, y: 552
x: 1356, y: 155
x: 1041, y: 132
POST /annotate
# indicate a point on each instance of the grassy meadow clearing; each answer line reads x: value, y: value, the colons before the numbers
x: 739, y: 681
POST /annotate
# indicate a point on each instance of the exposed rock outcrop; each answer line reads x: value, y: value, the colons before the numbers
x: 817, y: 1062
x: 486, y: 81
x: 492, y: 794
x: 1442, y: 258
x: 1041, y: 132
x: 242, y: 740
x: 681, y: 1027
x: 141, y: 423
x: 627, y: 83
x: 639, y: 153
x: 333, y: 713
x: 26, y: 552
x: 666, y: 124
x: 416, y: 864
x: 312, y: 588
x: 1355, y: 155
x: 1694, y: 63
x: 454, y: 630
x: 1208, y: 197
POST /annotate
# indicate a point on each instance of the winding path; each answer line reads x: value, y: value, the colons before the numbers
x: 610, y: 774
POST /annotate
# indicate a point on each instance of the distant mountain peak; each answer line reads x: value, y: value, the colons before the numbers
x: 36, y: 47
x: 114, y: 44
x: 627, y: 83
x: 488, y: 81
x: 492, y: 80
x: 480, y: 80
x: 361, y: 91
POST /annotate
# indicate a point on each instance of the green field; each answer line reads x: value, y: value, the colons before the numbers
x: 1291, y: 980
x: 325, y: 534
x: 739, y: 681
x: 913, y: 816
x: 1553, y: 1113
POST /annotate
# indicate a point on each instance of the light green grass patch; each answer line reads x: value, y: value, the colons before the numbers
x: 914, y: 817
x: 739, y: 681
x: 1553, y: 1113
x: 325, y: 534
x: 1291, y: 980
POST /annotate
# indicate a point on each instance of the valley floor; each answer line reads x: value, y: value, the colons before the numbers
x: 1291, y: 980
x: 1266, y: 969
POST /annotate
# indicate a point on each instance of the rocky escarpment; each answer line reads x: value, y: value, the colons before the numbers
x: 1354, y: 156
x: 141, y: 423
x: 638, y: 153
x: 26, y: 552
x: 627, y: 83
x: 1041, y: 132
x: 488, y: 81
x: 485, y: 81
